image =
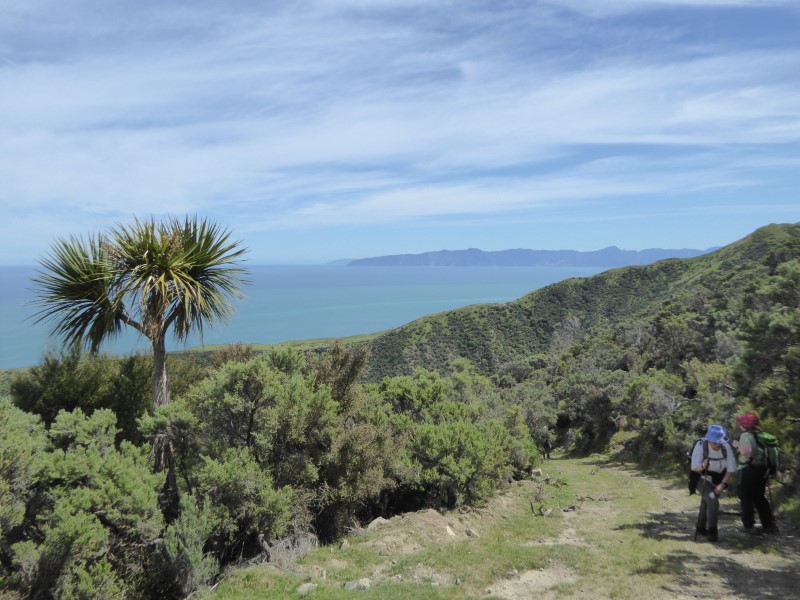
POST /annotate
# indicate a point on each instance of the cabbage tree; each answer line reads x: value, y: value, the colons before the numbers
x: 176, y: 274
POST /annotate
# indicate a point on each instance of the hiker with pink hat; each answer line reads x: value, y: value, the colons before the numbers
x: 753, y: 475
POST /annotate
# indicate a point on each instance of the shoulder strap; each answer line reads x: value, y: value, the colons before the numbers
x: 705, y: 449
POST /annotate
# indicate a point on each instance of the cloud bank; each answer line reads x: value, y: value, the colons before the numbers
x: 289, y: 119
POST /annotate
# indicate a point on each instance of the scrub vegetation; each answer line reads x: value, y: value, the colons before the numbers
x: 269, y: 456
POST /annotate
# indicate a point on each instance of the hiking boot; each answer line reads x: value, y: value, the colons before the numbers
x: 712, y: 534
x: 750, y: 530
x: 701, y: 531
x: 770, y: 528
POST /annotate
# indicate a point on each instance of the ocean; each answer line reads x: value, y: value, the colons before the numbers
x: 285, y: 303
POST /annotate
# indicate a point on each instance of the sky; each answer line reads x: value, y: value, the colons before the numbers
x: 327, y: 129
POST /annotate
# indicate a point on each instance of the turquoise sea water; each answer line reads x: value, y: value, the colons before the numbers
x: 300, y: 302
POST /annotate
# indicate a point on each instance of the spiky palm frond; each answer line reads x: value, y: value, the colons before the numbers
x: 149, y: 275
x: 180, y: 273
x: 78, y: 290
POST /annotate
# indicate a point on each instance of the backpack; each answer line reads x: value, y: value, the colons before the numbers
x: 694, y: 476
x: 767, y: 451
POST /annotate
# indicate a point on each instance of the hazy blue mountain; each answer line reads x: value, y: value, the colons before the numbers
x: 473, y: 257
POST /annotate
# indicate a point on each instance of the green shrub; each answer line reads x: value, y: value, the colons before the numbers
x: 521, y: 449
x: 23, y: 442
x: 64, y: 381
x: 336, y: 454
x: 455, y: 452
x: 461, y: 462
x: 184, y: 540
x: 97, y: 582
x: 92, y: 511
x: 244, y: 500
x: 73, y: 379
x: 73, y: 543
x: 282, y: 421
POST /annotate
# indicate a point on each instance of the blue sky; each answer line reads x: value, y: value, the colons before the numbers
x: 325, y: 129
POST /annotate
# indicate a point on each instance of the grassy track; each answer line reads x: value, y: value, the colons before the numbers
x: 585, y: 529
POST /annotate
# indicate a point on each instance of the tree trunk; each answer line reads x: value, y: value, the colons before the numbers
x: 160, y: 374
x: 169, y: 498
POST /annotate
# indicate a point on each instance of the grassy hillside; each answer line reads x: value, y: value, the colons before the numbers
x: 312, y: 346
x: 493, y: 335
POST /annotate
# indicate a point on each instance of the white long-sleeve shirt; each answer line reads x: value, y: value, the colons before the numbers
x: 718, y: 462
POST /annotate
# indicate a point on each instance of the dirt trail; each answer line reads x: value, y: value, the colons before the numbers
x: 607, y: 514
x: 739, y: 565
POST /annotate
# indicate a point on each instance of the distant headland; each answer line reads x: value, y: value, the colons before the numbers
x: 473, y: 257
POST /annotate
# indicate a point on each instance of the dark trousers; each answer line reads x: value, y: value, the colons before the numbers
x: 752, y: 485
x: 709, y: 505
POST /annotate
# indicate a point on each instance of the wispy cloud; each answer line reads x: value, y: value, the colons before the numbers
x: 616, y: 7
x: 320, y: 114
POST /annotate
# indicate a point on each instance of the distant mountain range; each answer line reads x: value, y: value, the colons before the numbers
x: 473, y: 257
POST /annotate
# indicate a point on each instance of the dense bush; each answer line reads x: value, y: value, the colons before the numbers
x: 769, y: 373
x: 456, y: 453
x: 89, y: 511
x: 23, y: 443
x: 243, y: 501
x: 188, y: 565
x: 254, y: 451
x: 643, y: 358
x: 305, y: 426
x: 71, y: 378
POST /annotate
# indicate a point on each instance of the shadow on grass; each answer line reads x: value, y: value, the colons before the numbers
x: 727, y: 559
x: 691, y: 573
x: 738, y: 565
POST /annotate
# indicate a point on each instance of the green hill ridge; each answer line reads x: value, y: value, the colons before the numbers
x: 493, y: 335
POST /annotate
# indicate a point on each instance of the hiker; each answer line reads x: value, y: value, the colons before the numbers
x: 712, y: 458
x: 753, y: 476
x: 547, y: 446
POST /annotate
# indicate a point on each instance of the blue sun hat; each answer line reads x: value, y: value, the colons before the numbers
x: 716, y: 434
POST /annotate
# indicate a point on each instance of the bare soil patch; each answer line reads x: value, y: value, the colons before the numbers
x: 538, y: 583
x: 411, y: 532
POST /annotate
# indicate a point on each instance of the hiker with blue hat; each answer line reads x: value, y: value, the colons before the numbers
x: 713, y: 459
